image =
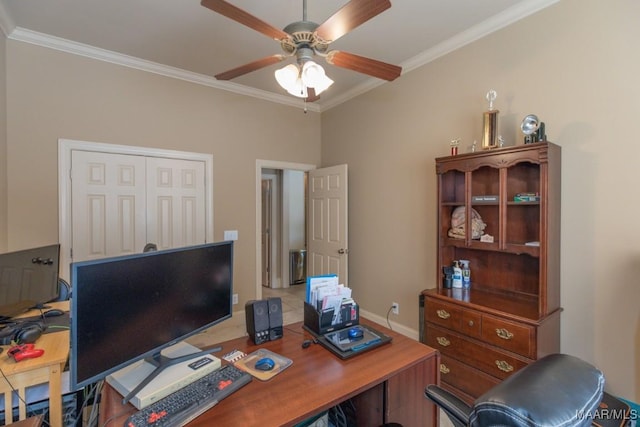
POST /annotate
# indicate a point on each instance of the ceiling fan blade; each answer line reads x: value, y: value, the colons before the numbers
x: 311, y: 95
x: 239, y: 15
x: 350, y: 16
x: 369, y: 66
x: 251, y: 66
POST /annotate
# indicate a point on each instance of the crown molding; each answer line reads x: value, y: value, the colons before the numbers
x: 491, y: 25
x: 75, y: 48
x: 495, y: 23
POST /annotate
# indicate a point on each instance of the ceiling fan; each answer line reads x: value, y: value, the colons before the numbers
x: 306, y: 39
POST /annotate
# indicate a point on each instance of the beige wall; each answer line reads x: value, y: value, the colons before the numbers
x: 3, y: 147
x: 575, y: 65
x: 55, y: 95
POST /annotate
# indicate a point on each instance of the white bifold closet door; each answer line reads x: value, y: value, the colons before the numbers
x: 121, y: 202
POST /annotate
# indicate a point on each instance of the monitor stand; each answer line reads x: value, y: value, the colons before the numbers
x: 157, y: 376
x: 7, y: 312
x: 39, y: 306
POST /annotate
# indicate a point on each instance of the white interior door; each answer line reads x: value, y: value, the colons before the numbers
x: 108, y: 204
x: 175, y: 202
x: 103, y: 198
x: 266, y: 232
x: 327, y: 232
x: 122, y: 202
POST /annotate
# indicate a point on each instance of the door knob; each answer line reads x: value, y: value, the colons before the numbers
x: 342, y: 251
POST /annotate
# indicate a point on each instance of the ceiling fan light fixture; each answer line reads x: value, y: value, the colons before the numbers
x: 290, y: 79
x: 296, y: 80
x: 312, y: 72
x: 321, y: 85
x: 287, y: 76
x: 298, y: 89
x: 313, y: 75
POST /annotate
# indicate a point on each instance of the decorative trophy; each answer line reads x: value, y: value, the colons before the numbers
x: 454, y: 146
x: 533, y: 129
x: 490, y: 129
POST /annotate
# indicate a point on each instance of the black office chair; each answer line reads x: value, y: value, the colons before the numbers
x: 64, y: 290
x: 556, y: 390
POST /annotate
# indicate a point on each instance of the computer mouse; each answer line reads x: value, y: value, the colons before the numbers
x: 265, y: 364
x: 54, y: 312
x: 355, y: 333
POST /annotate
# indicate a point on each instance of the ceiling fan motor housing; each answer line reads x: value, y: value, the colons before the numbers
x: 303, y: 36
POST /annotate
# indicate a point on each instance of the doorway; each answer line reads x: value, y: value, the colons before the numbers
x: 283, y: 225
x: 287, y: 219
x: 267, y: 217
x: 272, y: 238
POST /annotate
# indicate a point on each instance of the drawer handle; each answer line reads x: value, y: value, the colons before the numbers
x: 443, y: 341
x: 443, y: 314
x: 444, y: 369
x: 470, y: 322
x: 504, y: 366
x: 504, y: 334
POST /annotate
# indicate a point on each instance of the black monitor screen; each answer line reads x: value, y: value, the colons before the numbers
x: 128, y: 308
x: 28, y: 278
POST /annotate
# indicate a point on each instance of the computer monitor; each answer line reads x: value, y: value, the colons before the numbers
x: 129, y: 308
x: 28, y: 278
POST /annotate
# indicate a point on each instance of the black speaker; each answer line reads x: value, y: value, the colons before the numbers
x: 21, y: 333
x: 257, y: 315
x: 275, y: 318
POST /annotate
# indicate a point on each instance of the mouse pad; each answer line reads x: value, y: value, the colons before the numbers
x: 248, y: 363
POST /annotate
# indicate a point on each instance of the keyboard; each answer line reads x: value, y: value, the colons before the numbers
x: 189, y: 402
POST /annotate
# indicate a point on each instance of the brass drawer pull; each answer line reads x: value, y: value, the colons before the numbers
x: 504, y: 334
x: 443, y: 314
x: 470, y: 322
x: 443, y: 341
x: 504, y: 366
x: 444, y: 369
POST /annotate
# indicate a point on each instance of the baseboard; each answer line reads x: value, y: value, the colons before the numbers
x: 396, y: 327
x: 238, y: 319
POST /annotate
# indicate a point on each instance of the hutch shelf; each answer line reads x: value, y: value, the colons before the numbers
x: 510, y: 315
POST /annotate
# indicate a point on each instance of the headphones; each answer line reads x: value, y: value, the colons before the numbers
x: 21, y: 333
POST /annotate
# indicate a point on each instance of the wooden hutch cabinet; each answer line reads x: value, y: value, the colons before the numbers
x: 510, y: 315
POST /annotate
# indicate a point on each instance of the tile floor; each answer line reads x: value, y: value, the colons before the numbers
x: 292, y: 311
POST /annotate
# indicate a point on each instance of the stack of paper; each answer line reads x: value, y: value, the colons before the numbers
x: 326, y: 294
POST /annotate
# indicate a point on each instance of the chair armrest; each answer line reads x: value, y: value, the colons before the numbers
x: 457, y: 410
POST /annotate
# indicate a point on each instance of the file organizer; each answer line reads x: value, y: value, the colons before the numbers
x: 319, y: 322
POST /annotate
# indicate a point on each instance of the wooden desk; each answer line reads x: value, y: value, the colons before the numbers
x: 30, y: 372
x: 386, y: 383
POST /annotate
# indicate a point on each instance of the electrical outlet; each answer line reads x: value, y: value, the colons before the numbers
x: 395, y: 308
x: 235, y: 298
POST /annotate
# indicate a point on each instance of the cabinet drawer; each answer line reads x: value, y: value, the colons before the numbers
x: 464, y: 377
x: 511, y: 336
x: 447, y: 315
x: 468, y: 322
x: 486, y: 358
x: 471, y: 323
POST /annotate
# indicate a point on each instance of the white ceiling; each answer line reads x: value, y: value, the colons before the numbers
x: 183, y: 39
